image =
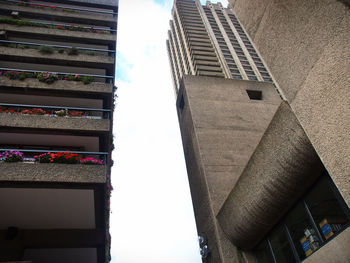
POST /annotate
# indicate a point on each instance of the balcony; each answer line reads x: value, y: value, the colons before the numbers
x: 35, y: 168
x: 58, y: 34
x: 56, y: 55
x: 60, y: 13
x: 54, y: 117
x: 61, y: 84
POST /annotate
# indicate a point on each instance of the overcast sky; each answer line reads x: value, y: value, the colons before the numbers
x: 152, y: 216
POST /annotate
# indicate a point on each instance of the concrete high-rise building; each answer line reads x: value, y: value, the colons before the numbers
x: 262, y: 100
x: 57, y: 65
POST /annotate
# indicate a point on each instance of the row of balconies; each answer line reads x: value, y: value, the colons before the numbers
x: 58, y: 12
x: 56, y: 101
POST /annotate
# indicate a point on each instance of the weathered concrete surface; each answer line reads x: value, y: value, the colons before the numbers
x: 72, y: 17
x: 66, y: 35
x: 282, y: 167
x: 62, y: 85
x: 48, y: 172
x: 305, y: 44
x: 32, y: 55
x: 336, y: 251
x: 220, y: 129
x: 228, y: 126
x: 322, y: 106
x: 47, y: 122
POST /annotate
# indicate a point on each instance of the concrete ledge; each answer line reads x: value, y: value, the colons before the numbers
x: 72, y: 17
x: 34, y: 56
x: 336, y: 251
x: 48, y: 172
x: 50, y: 33
x: 62, y: 85
x: 280, y: 170
x: 47, y: 122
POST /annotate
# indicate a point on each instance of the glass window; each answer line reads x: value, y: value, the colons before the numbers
x: 304, y: 236
x: 280, y: 245
x: 326, y: 209
x: 263, y: 254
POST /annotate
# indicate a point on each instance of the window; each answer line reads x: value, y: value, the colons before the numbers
x: 315, y: 219
x: 254, y: 94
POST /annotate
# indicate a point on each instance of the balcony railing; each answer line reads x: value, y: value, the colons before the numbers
x: 24, y: 45
x: 62, y: 8
x: 44, y: 156
x: 55, y: 111
x: 61, y: 75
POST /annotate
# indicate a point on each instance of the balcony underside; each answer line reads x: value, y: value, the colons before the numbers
x: 52, y: 172
x: 10, y: 120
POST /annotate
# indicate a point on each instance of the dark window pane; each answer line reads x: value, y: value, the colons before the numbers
x: 304, y: 236
x: 280, y: 246
x: 326, y: 209
x: 263, y: 253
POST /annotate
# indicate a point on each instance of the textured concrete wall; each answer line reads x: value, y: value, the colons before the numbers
x: 282, y: 167
x: 228, y: 126
x: 305, y: 44
x: 49, y: 172
x: 46, y: 122
x: 60, y: 85
x: 220, y: 129
x: 336, y: 251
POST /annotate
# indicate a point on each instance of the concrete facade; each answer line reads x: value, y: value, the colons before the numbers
x: 314, y: 38
x: 220, y: 132
x: 250, y: 159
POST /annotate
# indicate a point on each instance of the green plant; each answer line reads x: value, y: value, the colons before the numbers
x: 73, y: 51
x: 46, y: 50
x: 11, y: 45
x: 47, y: 77
x: 23, y: 46
x: 12, y: 156
x: 61, y: 113
x: 90, y: 53
x: 21, y: 75
x: 86, y: 79
x: 61, y: 50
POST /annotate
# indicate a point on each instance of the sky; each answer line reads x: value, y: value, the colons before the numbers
x: 152, y: 218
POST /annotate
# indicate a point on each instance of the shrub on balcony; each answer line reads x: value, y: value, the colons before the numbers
x: 61, y: 113
x: 86, y: 79
x: 23, y: 46
x: 46, y: 50
x: 60, y: 157
x: 11, y: 156
x: 35, y: 111
x: 43, y: 158
x: 90, y: 160
x: 21, y: 75
x: 47, y: 77
x: 75, y: 113
x: 73, y: 51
